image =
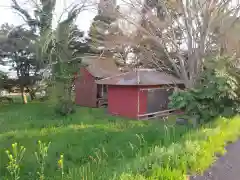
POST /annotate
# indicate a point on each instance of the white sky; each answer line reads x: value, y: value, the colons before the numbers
x: 7, y: 15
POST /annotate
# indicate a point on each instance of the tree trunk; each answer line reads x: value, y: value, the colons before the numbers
x: 24, y: 98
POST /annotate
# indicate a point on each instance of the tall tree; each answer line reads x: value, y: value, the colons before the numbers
x: 40, y: 22
x: 78, y: 43
x: 43, y: 14
x: 66, y: 50
x: 102, y: 27
x: 53, y: 45
x: 18, y: 49
x: 183, y: 32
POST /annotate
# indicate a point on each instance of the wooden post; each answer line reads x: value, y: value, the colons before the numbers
x: 138, y: 94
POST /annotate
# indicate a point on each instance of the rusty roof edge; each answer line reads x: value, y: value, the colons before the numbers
x: 173, y: 80
x: 88, y: 58
x: 99, y: 81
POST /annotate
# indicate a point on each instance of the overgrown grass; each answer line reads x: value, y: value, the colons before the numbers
x: 100, y: 147
x: 194, y: 153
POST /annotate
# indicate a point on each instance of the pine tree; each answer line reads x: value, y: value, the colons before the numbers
x: 102, y: 27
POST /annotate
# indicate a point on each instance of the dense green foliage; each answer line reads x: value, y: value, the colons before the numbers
x: 66, y: 61
x: 216, y: 93
x: 57, y: 50
x: 91, y: 145
x: 18, y: 51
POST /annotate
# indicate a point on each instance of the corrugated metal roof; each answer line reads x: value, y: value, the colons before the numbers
x: 101, y: 67
x: 141, y: 77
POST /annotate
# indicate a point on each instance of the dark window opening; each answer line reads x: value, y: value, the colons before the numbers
x: 102, y: 91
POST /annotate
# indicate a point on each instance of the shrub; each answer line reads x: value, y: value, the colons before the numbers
x: 214, y: 95
x: 65, y: 107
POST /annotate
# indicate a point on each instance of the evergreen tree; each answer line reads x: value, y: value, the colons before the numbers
x: 103, y: 28
x: 78, y: 42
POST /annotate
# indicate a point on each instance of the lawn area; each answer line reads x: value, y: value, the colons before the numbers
x: 100, y: 147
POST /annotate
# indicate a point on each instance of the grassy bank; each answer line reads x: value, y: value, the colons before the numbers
x: 99, y: 147
x: 193, y: 154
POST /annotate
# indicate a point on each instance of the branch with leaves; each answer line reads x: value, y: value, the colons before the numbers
x: 181, y: 31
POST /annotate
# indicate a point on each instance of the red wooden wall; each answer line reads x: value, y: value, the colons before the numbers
x: 86, y: 89
x: 123, y: 101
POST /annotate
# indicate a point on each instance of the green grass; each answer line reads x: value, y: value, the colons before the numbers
x: 100, y: 147
x: 89, y: 136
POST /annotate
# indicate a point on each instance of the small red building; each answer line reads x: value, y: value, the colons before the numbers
x: 87, y: 92
x: 139, y: 94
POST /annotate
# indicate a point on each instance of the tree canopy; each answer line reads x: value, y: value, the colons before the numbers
x: 177, y: 36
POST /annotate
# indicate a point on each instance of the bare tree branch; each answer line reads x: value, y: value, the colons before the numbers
x: 184, y: 28
x: 25, y: 13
